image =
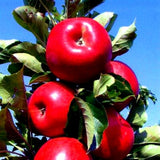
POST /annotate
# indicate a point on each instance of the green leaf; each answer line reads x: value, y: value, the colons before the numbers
x: 149, y: 152
x: 147, y: 143
x: 72, y: 8
x: 8, y: 130
x: 15, y: 67
x: 137, y: 116
x: 42, y: 77
x: 80, y: 7
x: 28, y: 60
x: 87, y: 5
x: 35, y: 50
x: 9, y: 47
x: 120, y: 91
x: 12, y: 91
x: 40, y: 5
x: 75, y: 123
x: 100, y: 86
x: 94, y: 117
x: 5, y: 45
x: 32, y: 20
x: 111, y: 89
x: 148, y: 134
x: 106, y: 18
x: 57, y: 16
x: 123, y: 40
x: 145, y: 95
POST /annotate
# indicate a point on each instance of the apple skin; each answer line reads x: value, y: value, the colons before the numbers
x: 62, y: 148
x: 48, y: 108
x: 123, y: 70
x: 77, y: 49
x: 117, y: 139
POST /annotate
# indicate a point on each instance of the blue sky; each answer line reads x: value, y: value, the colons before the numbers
x: 143, y: 57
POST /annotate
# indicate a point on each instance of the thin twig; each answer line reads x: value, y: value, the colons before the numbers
x: 19, y: 148
x: 53, y: 22
x: 6, y: 151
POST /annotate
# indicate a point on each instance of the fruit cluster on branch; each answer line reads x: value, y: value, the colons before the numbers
x: 77, y: 88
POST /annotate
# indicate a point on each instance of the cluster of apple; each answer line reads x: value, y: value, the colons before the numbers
x: 78, y: 51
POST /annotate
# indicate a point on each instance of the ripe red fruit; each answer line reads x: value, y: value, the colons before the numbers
x: 62, y: 148
x: 128, y: 74
x: 48, y: 108
x: 118, y: 138
x: 77, y: 49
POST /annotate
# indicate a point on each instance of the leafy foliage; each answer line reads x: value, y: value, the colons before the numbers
x: 80, y: 7
x: 111, y: 89
x: 41, y: 5
x: 12, y: 91
x: 106, y: 19
x: 147, y: 143
x: 138, y: 115
x: 32, y: 20
x: 123, y: 40
x: 94, y: 118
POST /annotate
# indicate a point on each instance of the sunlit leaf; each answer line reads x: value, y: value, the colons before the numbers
x: 32, y: 20
x: 7, y: 43
x: 9, y: 47
x: 28, y: 60
x: 100, y: 86
x: 123, y: 40
x: 120, y: 91
x: 33, y: 49
x: 147, y: 143
x: 149, y: 152
x: 106, y: 19
x: 111, y: 89
x: 148, y: 134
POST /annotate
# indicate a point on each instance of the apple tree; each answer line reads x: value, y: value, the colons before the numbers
x: 92, y: 115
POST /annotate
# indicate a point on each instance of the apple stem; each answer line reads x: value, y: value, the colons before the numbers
x: 80, y: 42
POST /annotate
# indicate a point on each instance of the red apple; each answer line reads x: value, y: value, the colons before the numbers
x: 77, y: 49
x: 62, y: 148
x: 118, y: 138
x: 128, y: 74
x: 48, y: 108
